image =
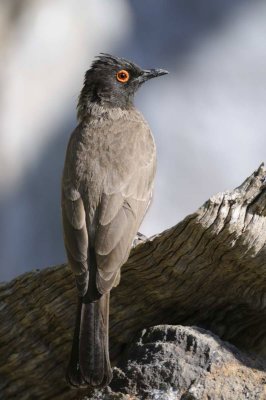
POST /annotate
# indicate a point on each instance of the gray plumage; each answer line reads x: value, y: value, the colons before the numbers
x: 106, y: 190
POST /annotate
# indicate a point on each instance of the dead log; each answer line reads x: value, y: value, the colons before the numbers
x: 209, y: 270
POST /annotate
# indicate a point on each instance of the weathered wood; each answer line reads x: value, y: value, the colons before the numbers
x: 208, y: 270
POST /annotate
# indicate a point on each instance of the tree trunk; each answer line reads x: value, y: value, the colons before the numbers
x: 208, y: 270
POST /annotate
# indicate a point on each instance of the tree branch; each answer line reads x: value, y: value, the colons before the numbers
x: 208, y: 270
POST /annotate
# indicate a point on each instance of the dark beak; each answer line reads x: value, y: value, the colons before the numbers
x: 151, y: 73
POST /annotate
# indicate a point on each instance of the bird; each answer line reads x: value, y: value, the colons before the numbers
x: 107, y: 186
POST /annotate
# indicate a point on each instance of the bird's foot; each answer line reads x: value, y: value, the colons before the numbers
x: 140, y: 238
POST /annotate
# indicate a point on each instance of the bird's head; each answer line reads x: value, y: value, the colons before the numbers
x: 112, y: 82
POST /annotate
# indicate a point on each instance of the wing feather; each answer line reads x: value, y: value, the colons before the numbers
x: 108, y: 236
x: 75, y: 234
x: 114, y: 240
x: 110, y: 205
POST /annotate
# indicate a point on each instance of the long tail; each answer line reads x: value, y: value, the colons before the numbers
x: 89, y: 363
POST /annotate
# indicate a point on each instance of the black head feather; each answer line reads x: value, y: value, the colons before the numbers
x: 102, y: 86
x: 105, y: 60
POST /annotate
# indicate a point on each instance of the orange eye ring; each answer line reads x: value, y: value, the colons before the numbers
x: 122, y: 76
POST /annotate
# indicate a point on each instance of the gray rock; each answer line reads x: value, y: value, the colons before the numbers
x: 188, y: 363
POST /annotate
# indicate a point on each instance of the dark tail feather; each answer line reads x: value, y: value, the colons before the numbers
x: 73, y: 375
x: 89, y: 362
x: 93, y: 342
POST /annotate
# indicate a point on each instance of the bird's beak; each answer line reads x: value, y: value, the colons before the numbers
x: 151, y: 73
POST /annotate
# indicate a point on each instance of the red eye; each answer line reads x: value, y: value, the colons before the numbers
x: 122, y: 76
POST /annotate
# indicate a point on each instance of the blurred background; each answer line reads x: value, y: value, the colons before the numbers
x: 208, y: 116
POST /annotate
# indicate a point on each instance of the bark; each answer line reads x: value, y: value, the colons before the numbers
x: 208, y: 270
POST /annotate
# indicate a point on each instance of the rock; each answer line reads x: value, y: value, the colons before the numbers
x: 168, y: 362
